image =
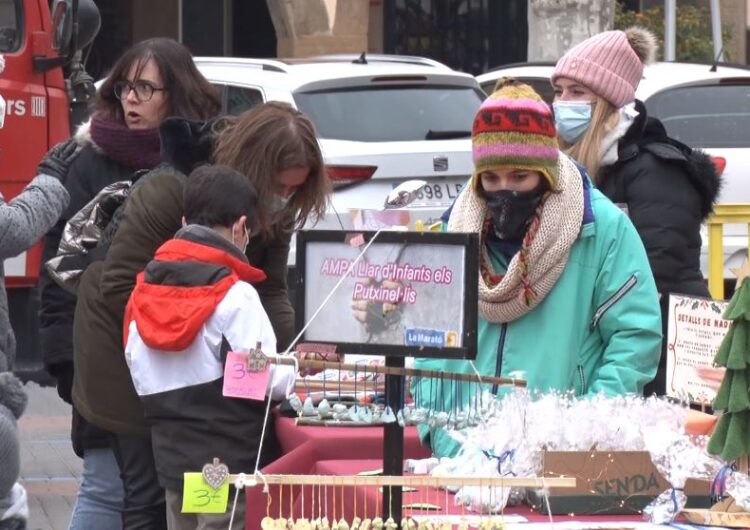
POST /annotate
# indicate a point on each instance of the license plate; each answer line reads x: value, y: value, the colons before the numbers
x: 438, y: 194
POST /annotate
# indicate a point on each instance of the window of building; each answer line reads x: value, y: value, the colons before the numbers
x: 467, y: 35
x: 10, y: 30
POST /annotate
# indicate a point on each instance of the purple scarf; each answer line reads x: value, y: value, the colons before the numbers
x: 133, y: 148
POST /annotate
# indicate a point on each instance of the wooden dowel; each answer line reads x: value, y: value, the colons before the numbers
x: 332, y: 387
x: 414, y: 372
x: 413, y: 481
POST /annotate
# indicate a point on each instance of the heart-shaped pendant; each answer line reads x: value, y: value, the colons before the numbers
x: 215, y: 474
x: 295, y: 402
x: 365, y: 414
x: 324, y: 408
x: 308, y: 409
x: 388, y: 416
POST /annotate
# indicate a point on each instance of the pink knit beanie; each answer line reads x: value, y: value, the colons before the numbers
x: 609, y: 63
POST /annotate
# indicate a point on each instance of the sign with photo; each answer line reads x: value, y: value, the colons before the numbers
x: 695, y: 331
x: 410, y: 293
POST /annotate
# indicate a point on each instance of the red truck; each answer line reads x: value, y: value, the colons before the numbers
x: 40, y: 45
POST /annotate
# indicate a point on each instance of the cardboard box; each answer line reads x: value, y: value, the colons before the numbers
x: 614, y: 482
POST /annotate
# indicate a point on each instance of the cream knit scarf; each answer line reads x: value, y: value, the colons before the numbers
x: 561, y: 216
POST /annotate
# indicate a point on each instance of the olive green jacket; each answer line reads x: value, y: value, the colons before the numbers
x: 103, y: 391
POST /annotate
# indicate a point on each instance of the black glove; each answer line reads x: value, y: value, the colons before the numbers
x: 58, y: 159
x: 63, y: 372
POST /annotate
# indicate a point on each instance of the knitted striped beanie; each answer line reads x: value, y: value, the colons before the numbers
x: 514, y: 128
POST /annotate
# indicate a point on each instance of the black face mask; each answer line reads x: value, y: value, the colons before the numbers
x: 511, y: 211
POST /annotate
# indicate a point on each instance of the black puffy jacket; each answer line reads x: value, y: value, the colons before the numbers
x: 90, y: 172
x: 669, y: 191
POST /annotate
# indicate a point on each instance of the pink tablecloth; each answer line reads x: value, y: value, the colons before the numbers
x: 292, y: 436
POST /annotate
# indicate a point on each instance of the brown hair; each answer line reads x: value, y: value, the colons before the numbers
x: 189, y: 94
x: 268, y: 139
x: 587, y: 150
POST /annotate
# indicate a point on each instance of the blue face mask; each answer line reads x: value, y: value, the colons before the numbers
x: 572, y: 118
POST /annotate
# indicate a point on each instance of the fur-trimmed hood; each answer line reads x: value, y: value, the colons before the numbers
x: 649, y: 134
x: 83, y: 137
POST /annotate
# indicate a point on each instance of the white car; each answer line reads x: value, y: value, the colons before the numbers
x: 701, y: 105
x: 381, y: 120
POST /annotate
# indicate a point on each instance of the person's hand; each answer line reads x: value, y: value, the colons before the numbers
x: 303, y: 356
x: 377, y: 316
x: 712, y: 376
x: 58, y: 159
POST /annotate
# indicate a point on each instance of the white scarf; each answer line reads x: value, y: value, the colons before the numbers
x: 628, y: 114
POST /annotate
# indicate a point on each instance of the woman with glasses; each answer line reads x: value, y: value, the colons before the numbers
x: 154, y: 79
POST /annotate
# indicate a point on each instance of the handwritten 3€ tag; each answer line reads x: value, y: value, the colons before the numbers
x: 199, y: 497
x: 245, y: 376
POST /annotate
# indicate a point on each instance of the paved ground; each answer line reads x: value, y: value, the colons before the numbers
x: 49, y: 468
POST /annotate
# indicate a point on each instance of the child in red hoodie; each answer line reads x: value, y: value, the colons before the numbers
x: 192, y: 305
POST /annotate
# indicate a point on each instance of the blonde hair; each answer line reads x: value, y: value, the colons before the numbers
x: 268, y: 139
x: 587, y: 150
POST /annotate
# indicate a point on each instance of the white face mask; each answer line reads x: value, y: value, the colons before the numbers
x: 242, y: 246
x: 279, y: 203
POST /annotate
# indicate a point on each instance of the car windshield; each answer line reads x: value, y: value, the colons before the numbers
x: 705, y: 116
x: 401, y: 113
x: 9, y: 35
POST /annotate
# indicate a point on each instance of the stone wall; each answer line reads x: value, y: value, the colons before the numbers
x: 314, y: 27
x: 557, y: 25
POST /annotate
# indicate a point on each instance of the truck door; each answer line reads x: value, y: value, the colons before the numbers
x: 24, y: 139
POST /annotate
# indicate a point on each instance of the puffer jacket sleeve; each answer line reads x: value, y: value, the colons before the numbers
x: 153, y: 213
x: 627, y: 313
x: 665, y: 208
x: 58, y: 305
x: 29, y: 215
x: 274, y: 293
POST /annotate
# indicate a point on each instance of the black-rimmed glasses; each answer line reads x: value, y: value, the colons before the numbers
x: 144, y: 90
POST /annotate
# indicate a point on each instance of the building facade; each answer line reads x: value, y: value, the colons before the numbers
x: 469, y: 35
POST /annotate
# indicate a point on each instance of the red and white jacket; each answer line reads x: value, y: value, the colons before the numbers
x: 191, y: 306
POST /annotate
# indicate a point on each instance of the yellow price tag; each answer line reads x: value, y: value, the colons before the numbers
x: 199, y: 497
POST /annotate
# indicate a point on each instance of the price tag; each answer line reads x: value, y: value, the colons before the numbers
x: 240, y: 382
x: 199, y: 497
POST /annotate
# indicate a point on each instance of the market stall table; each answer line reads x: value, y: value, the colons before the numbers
x: 366, y: 500
x: 303, y: 446
x: 291, y: 436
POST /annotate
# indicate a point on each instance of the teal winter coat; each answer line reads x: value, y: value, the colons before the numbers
x: 597, y: 330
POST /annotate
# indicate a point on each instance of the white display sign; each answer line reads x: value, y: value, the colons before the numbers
x: 695, y: 331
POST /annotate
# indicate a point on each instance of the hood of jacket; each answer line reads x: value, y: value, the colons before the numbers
x: 648, y: 134
x: 181, y: 287
x: 83, y: 137
x: 186, y: 144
